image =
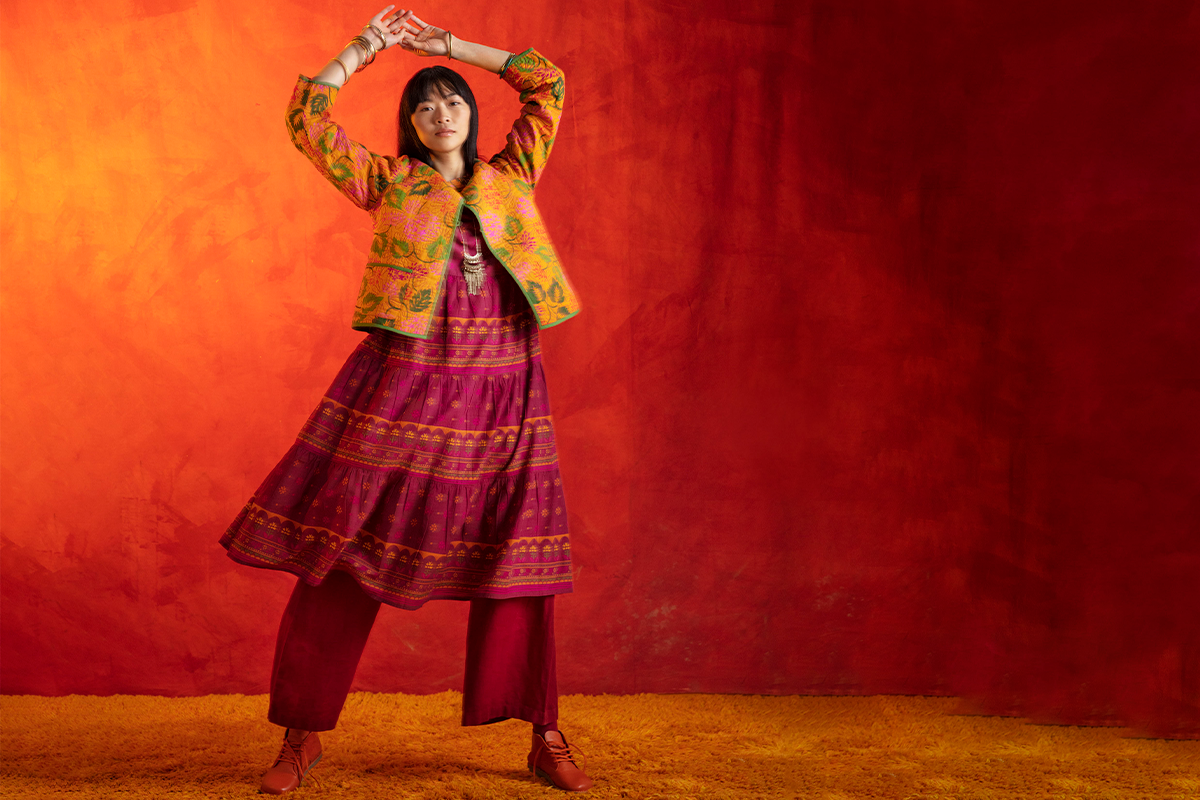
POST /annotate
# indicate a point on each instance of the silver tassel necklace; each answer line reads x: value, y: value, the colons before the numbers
x: 472, y: 264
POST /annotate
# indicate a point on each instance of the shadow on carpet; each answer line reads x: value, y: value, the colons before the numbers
x: 642, y: 746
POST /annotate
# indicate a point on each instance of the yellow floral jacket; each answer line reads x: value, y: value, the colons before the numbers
x: 416, y: 211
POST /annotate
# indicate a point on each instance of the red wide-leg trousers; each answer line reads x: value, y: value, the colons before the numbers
x: 510, y: 670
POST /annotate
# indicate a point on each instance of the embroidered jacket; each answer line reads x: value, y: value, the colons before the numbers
x: 416, y: 211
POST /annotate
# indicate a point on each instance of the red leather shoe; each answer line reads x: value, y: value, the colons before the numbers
x: 293, y: 764
x: 551, y: 758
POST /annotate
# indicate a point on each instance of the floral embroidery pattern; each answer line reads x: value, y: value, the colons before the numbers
x: 416, y: 212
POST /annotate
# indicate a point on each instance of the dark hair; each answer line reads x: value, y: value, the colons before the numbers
x: 421, y: 87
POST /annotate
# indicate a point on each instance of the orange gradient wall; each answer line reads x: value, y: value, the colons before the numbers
x: 882, y: 382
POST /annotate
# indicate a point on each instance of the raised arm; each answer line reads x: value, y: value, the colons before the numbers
x: 386, y: 29
x: 543, y: 89
x: 354, y: 170
x: 541, y: 84
x: 429, y: 40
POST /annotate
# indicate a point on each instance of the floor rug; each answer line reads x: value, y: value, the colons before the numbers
x: 642, y: 746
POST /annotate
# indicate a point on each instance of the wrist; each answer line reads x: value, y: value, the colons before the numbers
x: 365, y: 49
x: 371, y: 31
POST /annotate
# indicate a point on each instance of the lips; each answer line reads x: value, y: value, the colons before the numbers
x: 446, y: 132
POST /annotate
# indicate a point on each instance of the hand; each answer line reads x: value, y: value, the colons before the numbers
x: 393, y: 25
x: 424, y: 39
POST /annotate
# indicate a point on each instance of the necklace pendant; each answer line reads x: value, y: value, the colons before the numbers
x: 474, y: 280
x: 472, y: 267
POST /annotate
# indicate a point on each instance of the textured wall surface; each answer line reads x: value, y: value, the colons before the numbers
x: 886, y: 380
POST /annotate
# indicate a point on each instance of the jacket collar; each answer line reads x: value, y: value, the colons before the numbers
x: 484, y: 176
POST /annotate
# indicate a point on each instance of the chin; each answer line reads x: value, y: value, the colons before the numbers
x: 444, y: 148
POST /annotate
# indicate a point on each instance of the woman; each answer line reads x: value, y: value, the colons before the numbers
x: 429, y: 470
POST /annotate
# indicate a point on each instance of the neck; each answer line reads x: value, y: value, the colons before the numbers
x: 449, y: 165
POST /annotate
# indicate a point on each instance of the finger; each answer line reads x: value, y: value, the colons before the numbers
x: 420, y: 21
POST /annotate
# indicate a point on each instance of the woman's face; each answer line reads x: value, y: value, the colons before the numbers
x: 442, y: 123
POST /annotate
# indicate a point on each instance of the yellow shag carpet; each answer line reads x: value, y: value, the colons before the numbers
x: 645, y: 746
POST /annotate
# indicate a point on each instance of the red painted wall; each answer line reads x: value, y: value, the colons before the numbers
x: 886, y: 380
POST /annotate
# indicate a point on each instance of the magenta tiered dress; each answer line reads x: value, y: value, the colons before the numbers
x: 429, y: 469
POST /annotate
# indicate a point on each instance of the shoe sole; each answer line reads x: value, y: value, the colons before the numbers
x: 541, y: 773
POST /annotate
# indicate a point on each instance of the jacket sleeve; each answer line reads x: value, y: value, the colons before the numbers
x: 357, y: 173
x: 543, y: 87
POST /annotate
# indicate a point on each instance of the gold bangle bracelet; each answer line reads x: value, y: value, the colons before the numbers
x: 374, y: 50
x: 358, y: 42
x: 449, y: 46
x: 368, y: 50
x: 362, y: 50
x: 345, y: 70
x: 379, y: 33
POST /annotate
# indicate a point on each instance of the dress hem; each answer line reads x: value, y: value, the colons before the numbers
x: 372, y: 592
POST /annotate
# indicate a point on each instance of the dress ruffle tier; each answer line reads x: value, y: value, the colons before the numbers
x: 429, y: 469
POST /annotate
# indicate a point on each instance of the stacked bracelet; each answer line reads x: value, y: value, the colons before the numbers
x: 449, y: 45
x: 379, y: 33
x: 368, y: 48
